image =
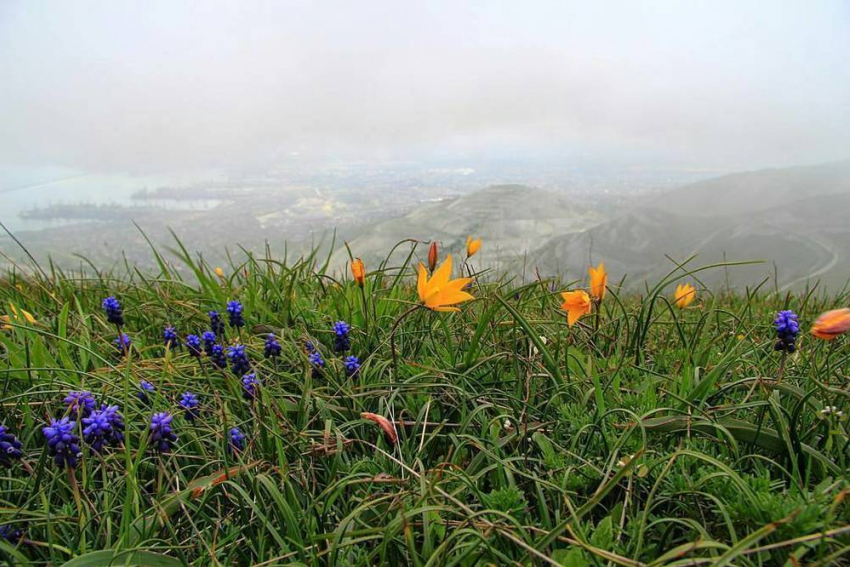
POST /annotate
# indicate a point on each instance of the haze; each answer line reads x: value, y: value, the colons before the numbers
x: 115, y: 86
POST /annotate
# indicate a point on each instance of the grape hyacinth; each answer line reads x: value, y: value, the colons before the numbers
x: 10, y: 447
x: 82, y: 403
x: 352, y: 365
x: 172, y: 341
x: 189, y: 402
x: 145, y: 388
x: 317, y: 362
x: 787, y: 329
x: 237, y: 440
x: 122, y: 343
x: 162, y: 434
x: 216, y: 324
x: 341, y: 341
x: 238, y: 360
x: 114, y: 313
x: 217, y: 356
x: 10, y: 534
x: 62, y: 444
x: 309, y: 346
x: 193, y: 345
x: 250, y: 386
x: 272, y: 347
x: 208, y: 337
x: 103, y: 427
x: 234, y: 314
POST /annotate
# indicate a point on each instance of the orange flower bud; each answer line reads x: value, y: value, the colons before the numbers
x: 831, y: 324
x: 358, y: 270
x: 433, y: 256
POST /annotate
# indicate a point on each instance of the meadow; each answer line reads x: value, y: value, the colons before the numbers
x: 356, y: 419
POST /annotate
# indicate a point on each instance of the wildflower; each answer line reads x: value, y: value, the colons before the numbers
x: 193, y: 345
x: 577, y: 304
x: 433, y: 257
x: 145, y: 388
x: 16, y: 315
x: 831, y: 324
x: 10, y: 534
x: 309, y: 346
x: 234, y: 313
x: 598, y: 281
x: 250, y: 386
x: 358, y: 270
x: 316, y: 359
x: 685, y: 295
x: 384, y: 423
x: 787, y: 329
x: 102, y: 427
x: 272, y: 348
x: 352, y: 365
x: 219, y: 272
x: 82, y: 403
x: 238, y: 359
x: 172, y: 341
x: 237, y: 440
x: 217, y: 356
x: 10, y: 447
x: 162, y: 434
x: 439, y: 293
x: 114, y: 313
x: 216, y: 324
x: 831, y: 410
x: 122, y: 343
x: 62, y: 444
x: 189, y: 402
x: 208, y: 338
x: 341, y: 341
x: 472, y: 247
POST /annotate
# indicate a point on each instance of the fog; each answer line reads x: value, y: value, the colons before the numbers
x: 148, y: 86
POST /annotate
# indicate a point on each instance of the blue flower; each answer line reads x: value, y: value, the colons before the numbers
x: 309, y: 346
x: 10, y: 534
x: 62, y: 444
x: 342, y: 342
x: 316, y: 359
x: 122, y: 343
x: 209, y: 341
x: 272, y: 347
x: 114, y: 313
x: 217, y: 356
x: 216, y: 324
x: 250, y: 386
x: 787, y: 329
x: 10, y: 447
x: 145, y: 388
x: 352, y: 365
x: 234, y: 313
x: 103, y: 427
x: 162, y: 435
x: 193, y: 345
x: 238, y: 359
x: 171, y: 338
x: 80, y: 402
x: 237, y: 440
x: 189, y: 402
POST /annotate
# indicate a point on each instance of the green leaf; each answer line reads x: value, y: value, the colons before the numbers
x: 110, y: 558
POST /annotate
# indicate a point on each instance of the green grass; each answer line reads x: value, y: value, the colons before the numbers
x: 653, y: 436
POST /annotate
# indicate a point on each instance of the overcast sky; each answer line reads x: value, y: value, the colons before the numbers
x: 112, y: 85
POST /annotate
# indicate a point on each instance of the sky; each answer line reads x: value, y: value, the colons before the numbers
x: 159, y: 85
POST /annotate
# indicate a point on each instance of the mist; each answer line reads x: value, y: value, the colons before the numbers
x: 114, y: 86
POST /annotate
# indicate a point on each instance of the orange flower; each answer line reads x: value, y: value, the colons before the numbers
x: 831, y: 324
x: 472, y: 246
x: 219, y: 272
x: 576, y: 304
x: 358, y: 270
x: 383, y: 423
x: 439, y: 293
x: 685, y: 295
x: 433, y: 256
x: 598, y: 281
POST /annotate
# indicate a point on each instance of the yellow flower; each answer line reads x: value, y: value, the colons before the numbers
x: 472, y: 246
x: 4, y: 322
x: 16, y: 315
x: 685, y: 295
x: 831, y: 324
x: 598, y: 281
x: 439, y: 293
x: 219, y: 272
x: 576, y: 304
x: 358, y: 270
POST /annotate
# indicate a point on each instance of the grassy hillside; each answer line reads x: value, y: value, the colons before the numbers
x: 646, y: 434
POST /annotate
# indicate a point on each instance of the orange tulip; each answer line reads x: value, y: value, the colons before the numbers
x: 831, y: 324
x: 358, y: 270
x: 383, y: 423
x: 598, y: 281
x: 576, y: 304
x: 472, y: 246
x: 433, y: 256
x: 685, y: 295
x: 439, y: 293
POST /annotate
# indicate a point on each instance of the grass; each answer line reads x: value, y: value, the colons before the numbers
x: 644, y: 435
